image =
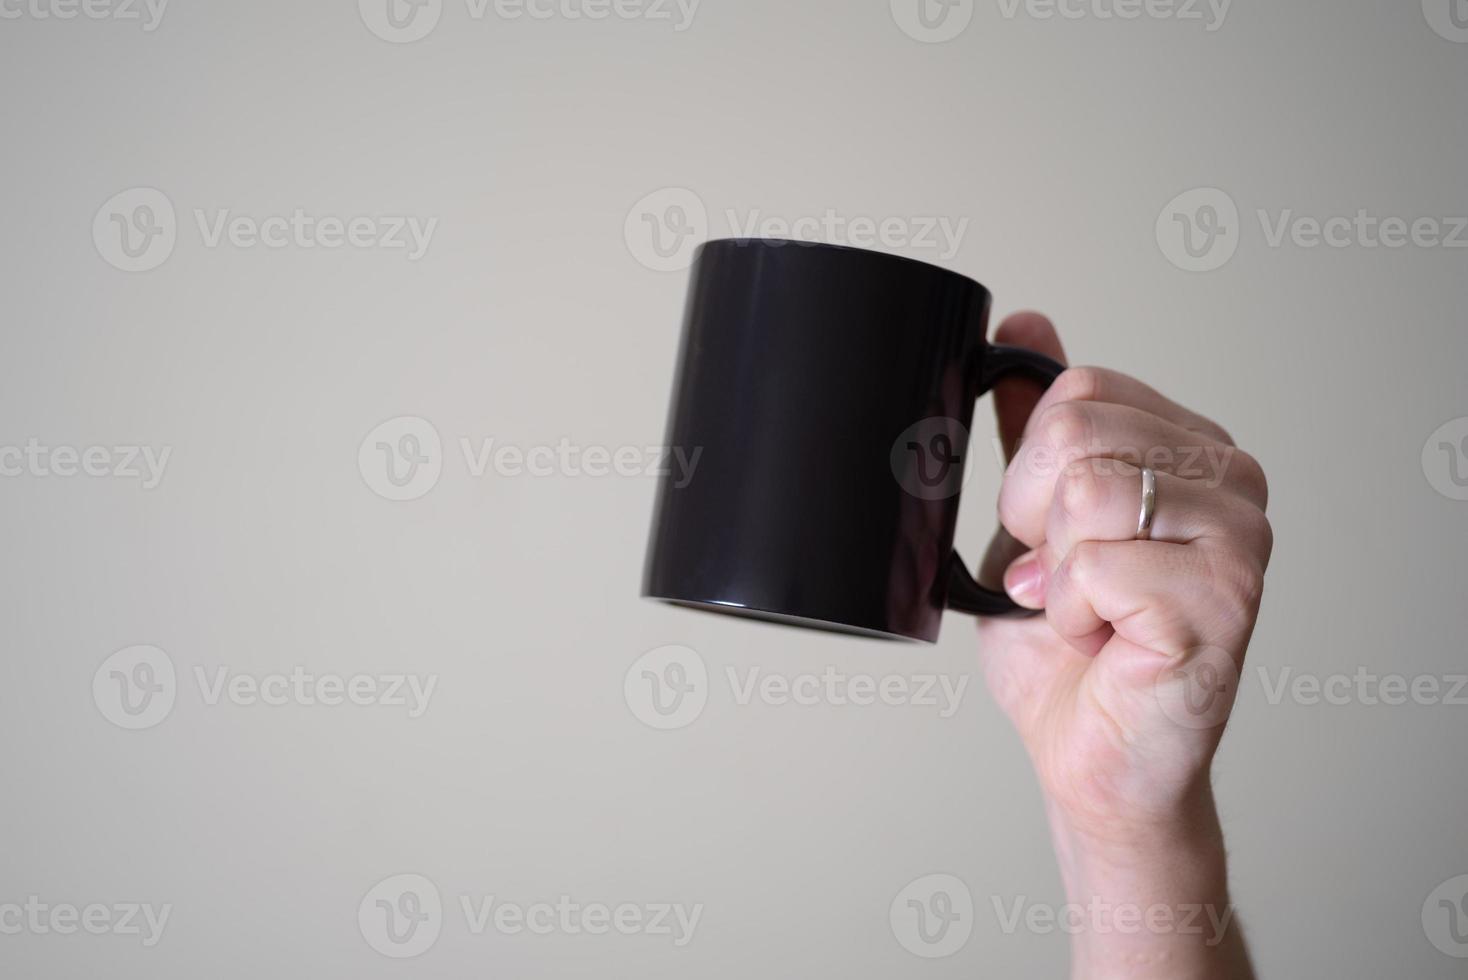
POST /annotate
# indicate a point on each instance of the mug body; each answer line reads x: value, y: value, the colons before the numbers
x: 826, y: 394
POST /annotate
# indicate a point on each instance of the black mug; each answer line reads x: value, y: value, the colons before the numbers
x: 827, y: 394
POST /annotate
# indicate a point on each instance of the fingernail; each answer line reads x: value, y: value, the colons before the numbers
x: 1025, y: 579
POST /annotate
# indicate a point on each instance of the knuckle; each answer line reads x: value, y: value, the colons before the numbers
x: 1261, y: 533
x: 1210, y: 427
x: 1238, y: 582
x: 1079, y: 567
x: 1066, y: 425
x: 1251, y: 475
x: 1081, y: 493
x: 1079, y: 384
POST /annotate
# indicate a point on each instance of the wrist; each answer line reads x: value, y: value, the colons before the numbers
x: 1133, y: 840
x: 1149, y: 894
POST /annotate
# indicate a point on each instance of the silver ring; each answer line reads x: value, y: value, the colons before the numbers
x: 1149, y: 505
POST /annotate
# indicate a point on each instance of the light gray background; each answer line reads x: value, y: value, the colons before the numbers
x: 531, y: 320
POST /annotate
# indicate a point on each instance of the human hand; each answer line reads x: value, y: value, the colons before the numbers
x: 1121, y: 689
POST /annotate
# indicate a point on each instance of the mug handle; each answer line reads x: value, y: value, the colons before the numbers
x: 965, y: 594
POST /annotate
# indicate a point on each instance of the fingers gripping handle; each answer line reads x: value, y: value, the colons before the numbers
x: 965, y: 594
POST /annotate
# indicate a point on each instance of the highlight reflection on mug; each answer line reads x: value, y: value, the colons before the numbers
x: 401, y: 916
x: 135, y: 688
x: 136, y: 230
x: 667, y: 688
x: 933, y: 917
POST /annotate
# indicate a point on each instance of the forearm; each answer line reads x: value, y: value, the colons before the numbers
x: 1151, y: 901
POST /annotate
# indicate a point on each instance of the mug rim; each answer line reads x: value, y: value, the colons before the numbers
x: 739, y: 242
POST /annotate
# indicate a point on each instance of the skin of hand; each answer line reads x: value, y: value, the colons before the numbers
x: 1120, y: 690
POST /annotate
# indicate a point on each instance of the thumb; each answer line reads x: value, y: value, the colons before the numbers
x: 1015, y: 397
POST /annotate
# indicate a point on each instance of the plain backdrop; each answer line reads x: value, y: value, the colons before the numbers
x: 534, y: 319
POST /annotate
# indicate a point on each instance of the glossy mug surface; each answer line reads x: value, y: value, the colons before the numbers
x: 828, y: 393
